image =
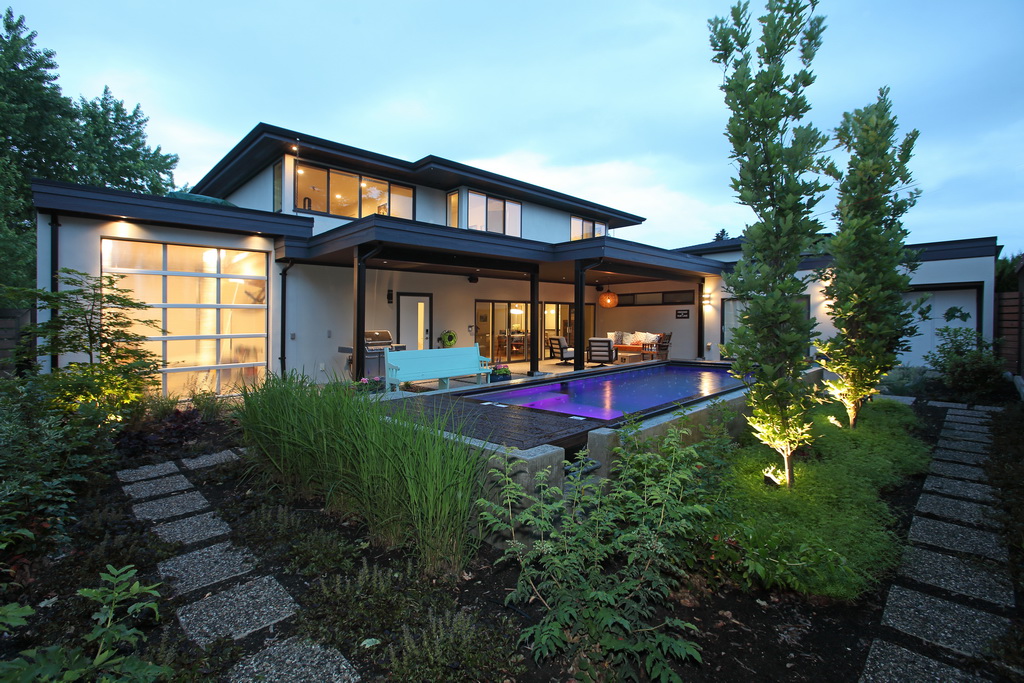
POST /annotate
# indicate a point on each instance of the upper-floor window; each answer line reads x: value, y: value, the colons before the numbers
x: 495, y: 215
x: 582, y: 228
x: 339, y: 193
x: 453, y: 209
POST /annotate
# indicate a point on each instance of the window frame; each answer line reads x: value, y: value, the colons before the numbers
x: 488, y: 200
x: 594, y: 232
x: 360, y: 179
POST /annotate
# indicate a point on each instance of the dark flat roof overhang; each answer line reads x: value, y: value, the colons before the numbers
x: 266, y: 143
x: 425, y: 247
x: 69, y: 199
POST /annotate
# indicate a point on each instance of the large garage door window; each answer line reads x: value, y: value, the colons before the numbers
x: 212, y: 304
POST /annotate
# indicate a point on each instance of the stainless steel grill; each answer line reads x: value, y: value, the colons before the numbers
x: 375, y: 341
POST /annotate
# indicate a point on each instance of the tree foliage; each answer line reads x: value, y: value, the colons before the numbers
x: 776, y: 158
x: 871, y: 267
x: 47, y: 135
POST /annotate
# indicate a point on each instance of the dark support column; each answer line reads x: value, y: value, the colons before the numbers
x: 535, y: 325
x: 579, y: 302
x: 363, y: 253
x: 700, y: 320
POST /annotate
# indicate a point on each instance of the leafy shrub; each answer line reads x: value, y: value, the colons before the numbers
x: 831, y: 536
x: 904, y: 380
x: 104, y: 659
x: 602, y: 560
x: 967, y: 360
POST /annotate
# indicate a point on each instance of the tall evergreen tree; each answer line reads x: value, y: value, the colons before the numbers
x: 36, y: 123
x: 45, y: 135
x: 111, y: 149
x: 871, y: 267
x: 777, y: 159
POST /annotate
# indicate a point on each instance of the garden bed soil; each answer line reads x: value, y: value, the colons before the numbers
x: 766, y: 635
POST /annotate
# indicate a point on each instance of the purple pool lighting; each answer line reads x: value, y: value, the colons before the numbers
x: 610, y: 396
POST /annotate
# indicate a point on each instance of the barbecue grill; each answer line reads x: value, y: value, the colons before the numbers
x: 376, y: 341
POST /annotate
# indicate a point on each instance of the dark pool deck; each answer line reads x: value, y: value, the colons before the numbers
x: 511, y: 426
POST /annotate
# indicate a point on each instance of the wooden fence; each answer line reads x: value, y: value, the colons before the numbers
x: 1009, y: 324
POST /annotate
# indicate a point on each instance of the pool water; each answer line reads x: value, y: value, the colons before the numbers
x: 610, y: 396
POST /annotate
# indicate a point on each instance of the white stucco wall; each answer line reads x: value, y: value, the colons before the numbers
x: 257, y: 193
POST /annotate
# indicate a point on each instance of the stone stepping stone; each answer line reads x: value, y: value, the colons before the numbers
x: 965, y: 436
x: 960, y: 456
x: 957, y: 538
x: 953, y: 417
x: 905, y: 400
x: 294, y: 661
x: 205, y: 567
x: 965, y: 426
x: 151, y: 488
x: 963, y: 630
x: 962, y: 445
x: 950, y: 469
x: 237, y: 612
x: 947, y: 404
x: 174, y: 506
x: 209, y: 460
x: 990, y: 409
x: 147, y: 472
x: 982, y: 493
x: 957, y: 510
x: 968, y: 413
x: 957, y: 576
x: 889, y: 663
x: 193, y: 529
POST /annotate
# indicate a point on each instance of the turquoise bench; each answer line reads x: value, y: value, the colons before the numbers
x: 439, y: 364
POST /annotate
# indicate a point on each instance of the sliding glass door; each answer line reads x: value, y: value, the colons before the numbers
x: 503, y: 330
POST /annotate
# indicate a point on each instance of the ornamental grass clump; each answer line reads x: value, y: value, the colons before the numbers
x: 411, y: 478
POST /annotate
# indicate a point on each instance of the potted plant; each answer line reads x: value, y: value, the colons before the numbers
x: 501, y: 373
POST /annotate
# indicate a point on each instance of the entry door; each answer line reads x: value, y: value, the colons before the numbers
x: 415, y: 321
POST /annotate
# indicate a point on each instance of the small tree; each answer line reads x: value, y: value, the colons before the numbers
x: 93, y: 319
x: 775, y: 156
x: 871, y: 267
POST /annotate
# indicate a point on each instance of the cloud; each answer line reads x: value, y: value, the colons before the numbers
x: 674, y: 218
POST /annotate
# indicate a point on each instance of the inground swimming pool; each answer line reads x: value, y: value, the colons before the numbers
x: 610, y: 395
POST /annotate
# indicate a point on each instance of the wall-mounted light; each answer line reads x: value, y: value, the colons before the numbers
x: 391, y: 296
x: 608, y: 299
x: 706, y: 299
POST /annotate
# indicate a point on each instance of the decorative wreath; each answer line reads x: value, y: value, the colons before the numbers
x: 448, y: 338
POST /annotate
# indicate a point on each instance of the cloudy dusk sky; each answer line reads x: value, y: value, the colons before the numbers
x: 614, y: 102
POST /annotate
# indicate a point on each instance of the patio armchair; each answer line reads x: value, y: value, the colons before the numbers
x: 601, y: 350
x: 560, y: 349
x: 658, y: 350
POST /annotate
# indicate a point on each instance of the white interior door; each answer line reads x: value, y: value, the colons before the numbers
x: 414, y: 321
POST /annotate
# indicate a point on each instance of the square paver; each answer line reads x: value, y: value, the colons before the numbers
x: 959, y: 434
x: 237, y: 612
x: 957, y: 576
x: 147, y: 472
x: 960, y: 456
x: 982, y: 493
x: 209, y: 460
x: 941, y: 622
x: 957, y: 510
x: 947, y: 404
x: 151, y: 488
x: 954, y: 417
x: 205, y: 567
x: 957, y: 470
x: 294, y: 661
x: 958, y: 538
x: 962, y: 445
x: 193, y: 529
x: 990, y: 409
x: 889, y: 663
x: 968, y: 413
x: 953, y: 422
x: 174, y: 506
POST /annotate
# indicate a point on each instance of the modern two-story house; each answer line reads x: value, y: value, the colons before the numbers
x: 292, y: 247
